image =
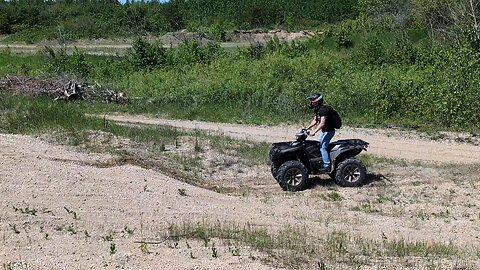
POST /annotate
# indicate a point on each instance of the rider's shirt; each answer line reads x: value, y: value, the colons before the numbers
x: 325, y: 111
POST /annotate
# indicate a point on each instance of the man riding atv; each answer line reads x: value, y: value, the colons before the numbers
x: 325, y: 119
x: 292, y: 162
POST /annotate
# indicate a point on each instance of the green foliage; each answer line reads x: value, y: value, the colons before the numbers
x: 218, y: 30
x: 13, y: 64
x: 393, y: 77
x: 383, y: 78
x: 262, y: 14
x: 342, y: 32
x: 378, y: 49
x: 33, y: 21
x: 60, y: 62
x: 290, y: 49
x: 257, y: 51
x: 23, y: 115
x: 147, y: 56
x: 192, y: 52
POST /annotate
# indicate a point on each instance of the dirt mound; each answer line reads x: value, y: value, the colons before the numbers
x: 183, y: 36
x: 241, y: 36
x: 262, y: 36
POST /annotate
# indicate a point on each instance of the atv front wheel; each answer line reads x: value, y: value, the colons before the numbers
x: 350, y: 173
x: 274, y: 170
x: 292, y: 175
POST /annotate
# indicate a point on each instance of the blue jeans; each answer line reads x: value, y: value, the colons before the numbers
x: 325, y: 138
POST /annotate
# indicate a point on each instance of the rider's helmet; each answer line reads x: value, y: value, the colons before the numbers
x: 316, y: 101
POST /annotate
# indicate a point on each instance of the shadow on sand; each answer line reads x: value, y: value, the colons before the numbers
x: 323, y: 181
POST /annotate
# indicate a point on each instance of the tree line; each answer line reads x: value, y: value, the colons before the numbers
x: 74, y: 19
x: 33, y: 20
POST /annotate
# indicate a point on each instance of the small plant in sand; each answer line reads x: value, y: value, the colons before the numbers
x: 144, y: 248
x: 71, y: 229
x: 182, y: 192
x: 214, y: 251
x: 198, y: 148
x: 333, y: 196
x: 234, y: 250
x: 71, y: 212
x: 366, y: 207
x: 113, y: 248
x: 14, y: 228
x: 128, y: 230
x: 107, y: 237
x: 26, y: 210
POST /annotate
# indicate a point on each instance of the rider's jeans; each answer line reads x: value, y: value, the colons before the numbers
x: 325, y: 138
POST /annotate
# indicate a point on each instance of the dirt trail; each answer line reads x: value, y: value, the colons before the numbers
x: 387, y: 143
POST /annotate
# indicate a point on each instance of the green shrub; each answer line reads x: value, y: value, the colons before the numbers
x: 60, y: 62
x: 147, y: 56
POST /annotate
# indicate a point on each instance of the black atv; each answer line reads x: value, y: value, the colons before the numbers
x: 292, y: 162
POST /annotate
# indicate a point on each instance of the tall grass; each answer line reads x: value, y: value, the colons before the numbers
x: 293, y: 246
x: 35, y: 115
x: 19, y: 64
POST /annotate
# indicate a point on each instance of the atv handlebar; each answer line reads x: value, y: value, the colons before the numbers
x: 302, y: 134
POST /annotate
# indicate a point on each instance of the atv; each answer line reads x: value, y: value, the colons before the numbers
x: 292, y: 162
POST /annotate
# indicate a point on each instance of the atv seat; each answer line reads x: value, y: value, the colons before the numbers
x: 339, y: 142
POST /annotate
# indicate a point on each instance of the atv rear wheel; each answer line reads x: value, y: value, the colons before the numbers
x: 292, y: 175
x: 350, y: 173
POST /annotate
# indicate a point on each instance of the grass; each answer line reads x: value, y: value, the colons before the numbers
x: 183, y: 192
x: 379, y: 161
x: 113, y: 248
x: 294, y: 247
x: 71, y: 212
x: 26, y: 210
x: 19, y: 64
x: 372, y: 81
x: 332, y: 196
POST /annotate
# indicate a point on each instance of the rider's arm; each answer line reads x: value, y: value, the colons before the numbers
x: 319, y: 127
x: 313, y: 122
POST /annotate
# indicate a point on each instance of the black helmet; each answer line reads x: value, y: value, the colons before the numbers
x: 316, y: 101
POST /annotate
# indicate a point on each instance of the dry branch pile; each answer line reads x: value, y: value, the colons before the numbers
x: 60, y: 89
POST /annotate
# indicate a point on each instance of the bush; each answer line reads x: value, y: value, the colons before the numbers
x: 60, y: 62
x: 388, y: 48
x: 147, y: 56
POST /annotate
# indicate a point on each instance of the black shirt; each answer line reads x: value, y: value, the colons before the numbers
x: 325, y: 111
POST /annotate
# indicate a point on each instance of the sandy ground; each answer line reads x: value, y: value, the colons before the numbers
x: 60, y: 210
x: 51, y: 179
